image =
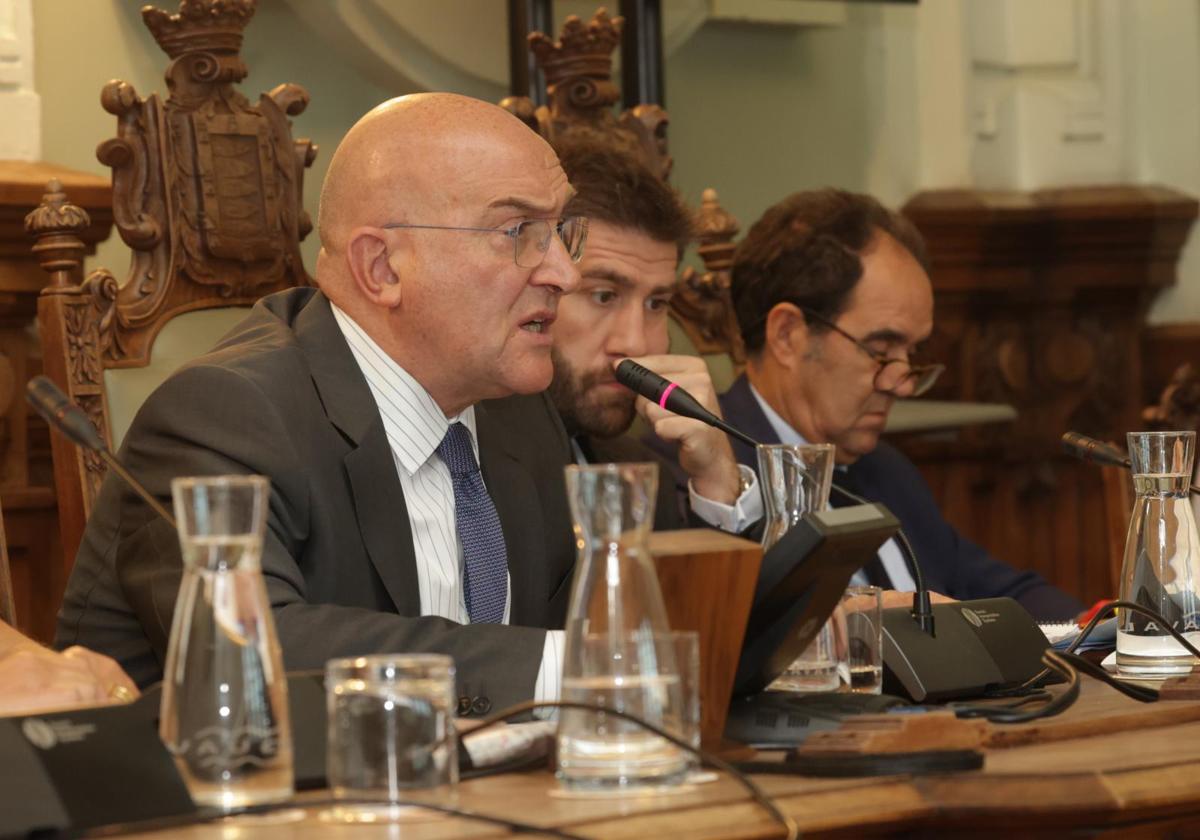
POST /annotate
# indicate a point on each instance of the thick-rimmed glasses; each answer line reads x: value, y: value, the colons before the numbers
x: 531, y: 238
x: 892, y: 374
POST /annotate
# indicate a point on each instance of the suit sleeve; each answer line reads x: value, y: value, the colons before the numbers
x: 956, y: 566
x: 213, y: 421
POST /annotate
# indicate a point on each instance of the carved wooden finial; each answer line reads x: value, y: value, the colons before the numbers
x: 582, y: 49
x: 714, y: 222
x: 58, y: 227
x: 200, y: 26
x: 715, y: 228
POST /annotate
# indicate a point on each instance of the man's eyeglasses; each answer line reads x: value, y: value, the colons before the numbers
x: 531, y: 238
x: 892, y: 374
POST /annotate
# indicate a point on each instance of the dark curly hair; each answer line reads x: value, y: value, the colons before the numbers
x: 807, y: 250
x: 614, y: 186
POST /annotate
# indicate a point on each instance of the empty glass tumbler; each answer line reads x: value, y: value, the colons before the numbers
x: 224, y: 714
x: 1162, y: 557
x: 617, y: 651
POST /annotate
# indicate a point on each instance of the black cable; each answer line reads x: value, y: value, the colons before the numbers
x: 1009, y: 713
x: 1141, y: 693
x: 1070, y: 665
x: 757, y: 793
x: 1100, y: 615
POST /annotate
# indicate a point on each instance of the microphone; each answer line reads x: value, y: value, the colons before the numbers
x: 666, y: 394
x: 669, y: 395
x: 1097, y: 452
x: 1094, y: 451
x: 53, y: 405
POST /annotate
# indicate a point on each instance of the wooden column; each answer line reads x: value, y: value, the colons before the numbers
x: 1040, y: 302
x: 26, y: 481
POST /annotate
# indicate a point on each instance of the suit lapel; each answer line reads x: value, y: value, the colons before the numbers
x: 742, y: 411
x: 515, y: 494
x: 370, y: 469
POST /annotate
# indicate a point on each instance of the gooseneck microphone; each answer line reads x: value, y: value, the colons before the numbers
x: 667, y: 394
x: 53, y: 405
x: 1097, y: 452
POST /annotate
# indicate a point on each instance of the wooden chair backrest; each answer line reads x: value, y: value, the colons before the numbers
x: 581, y: 95
x: 207, y: 192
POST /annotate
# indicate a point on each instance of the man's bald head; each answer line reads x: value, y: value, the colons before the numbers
x: 420, y: 221
x: 407, y: 159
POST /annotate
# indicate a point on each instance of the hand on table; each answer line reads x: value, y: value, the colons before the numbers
x: 34, y: 678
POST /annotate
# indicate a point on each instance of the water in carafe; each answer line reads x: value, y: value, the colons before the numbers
x: 617, y: 652
x: 1162, y: 558
x: 224, y: 713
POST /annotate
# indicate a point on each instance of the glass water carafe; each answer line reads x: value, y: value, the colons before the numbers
x: 1162, y: 557
x: 224, y: 710
x: 617, y: 652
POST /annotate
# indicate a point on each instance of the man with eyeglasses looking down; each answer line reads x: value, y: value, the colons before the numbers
x: 832, y: 295
x: 404, y: 515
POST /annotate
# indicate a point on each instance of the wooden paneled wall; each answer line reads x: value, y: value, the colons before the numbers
x: 1040, y: 303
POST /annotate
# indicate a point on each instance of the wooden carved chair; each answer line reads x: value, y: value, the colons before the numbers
x: 207, y: 192
x: 581, y: 95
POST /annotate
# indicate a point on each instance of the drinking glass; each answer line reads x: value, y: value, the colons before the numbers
x: 224, y: 713
x: 862, y: 608
x: 390, y: 730
x: 796, y: 481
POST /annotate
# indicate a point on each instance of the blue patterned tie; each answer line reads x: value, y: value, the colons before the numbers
x: 485, y: 576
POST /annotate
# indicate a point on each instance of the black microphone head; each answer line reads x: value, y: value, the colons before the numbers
x: 62, y: 414
x: 641, y: 380
x: 1093, y: 451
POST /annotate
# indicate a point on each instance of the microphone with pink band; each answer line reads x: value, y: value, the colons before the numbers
x: 667, y: 394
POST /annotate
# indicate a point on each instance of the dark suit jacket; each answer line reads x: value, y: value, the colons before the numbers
x: 672, y: 509
x: 952, y: 564
x: 282, y: 396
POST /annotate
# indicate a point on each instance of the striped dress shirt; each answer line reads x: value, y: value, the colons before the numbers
x: 415, y: 425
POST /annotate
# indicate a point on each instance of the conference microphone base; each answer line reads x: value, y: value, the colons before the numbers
x: 979, y: 647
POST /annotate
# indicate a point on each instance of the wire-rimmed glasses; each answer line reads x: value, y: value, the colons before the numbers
x: 892, y: 374
x: 531, y: 238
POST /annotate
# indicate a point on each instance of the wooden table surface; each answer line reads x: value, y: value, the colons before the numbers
x: 1107, y: 764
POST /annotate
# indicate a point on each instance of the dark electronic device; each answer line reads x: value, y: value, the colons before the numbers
x: 802, y: 578
x: 986, y: 645
x: 85, y: 769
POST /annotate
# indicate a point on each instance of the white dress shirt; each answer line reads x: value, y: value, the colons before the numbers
x: 415, y: 426
x: 735, y: 518
x: 889, y: 552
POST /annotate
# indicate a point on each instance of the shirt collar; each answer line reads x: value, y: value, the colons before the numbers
x: 783, y: 430
x: 412, y: 420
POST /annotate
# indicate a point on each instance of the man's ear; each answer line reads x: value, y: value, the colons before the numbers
x: 375, y: 269
x: 787, y: 335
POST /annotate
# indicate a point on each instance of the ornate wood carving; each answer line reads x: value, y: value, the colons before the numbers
x: 207, y: 191
x: 582, y: 97
x: 1178, y: 407
x: 1040, y: 303
x: 582, y: 94
x: 701, y: 301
